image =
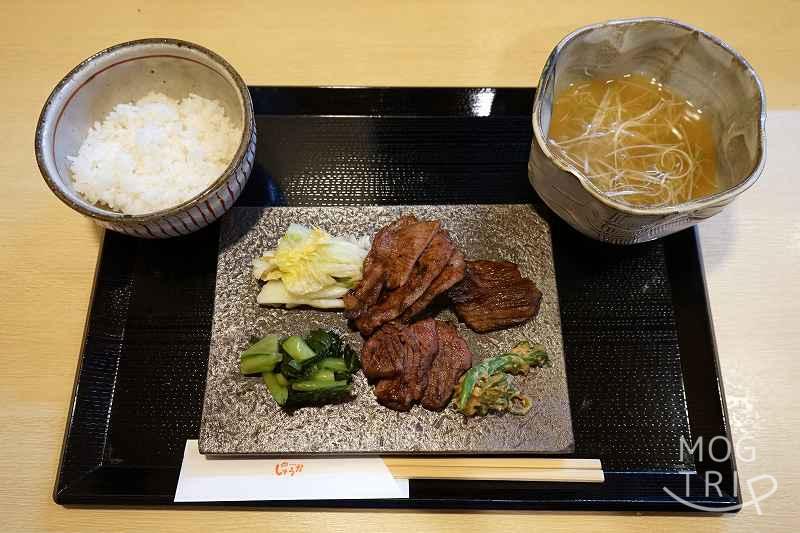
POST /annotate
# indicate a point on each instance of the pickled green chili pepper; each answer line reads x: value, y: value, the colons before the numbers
x: 487, y: 386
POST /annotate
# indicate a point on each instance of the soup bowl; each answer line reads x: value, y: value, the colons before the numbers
x: 690, y: 61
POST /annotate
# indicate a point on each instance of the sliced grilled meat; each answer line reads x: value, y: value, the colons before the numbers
x: 394, y: 394
x: 430, y: 264
x: 407, y: 245
x: 382, y: 354
x: 368, y: 290
x: 420, y: 345
x: 452, y: 274
x: 453, y: 359
x: 494, y: 295
x: 422, y: 340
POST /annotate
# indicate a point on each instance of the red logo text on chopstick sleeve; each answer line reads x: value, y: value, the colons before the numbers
x: 285, y: 468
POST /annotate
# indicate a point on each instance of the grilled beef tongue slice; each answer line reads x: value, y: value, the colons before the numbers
x: 452, y: 274
x: 367, y: 291
x: 409, y: 243
x: 420, y: 345
x: 382, y: 354
x: 430, y: 264
x: 493, y: 295
x: 453, y: 359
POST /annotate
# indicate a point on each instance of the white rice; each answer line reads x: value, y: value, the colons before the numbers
x: 155, y: 153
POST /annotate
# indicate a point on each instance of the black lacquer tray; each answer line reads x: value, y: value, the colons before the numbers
x: 641, y: 362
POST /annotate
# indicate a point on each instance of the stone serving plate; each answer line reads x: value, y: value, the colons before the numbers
x: 240, y: 417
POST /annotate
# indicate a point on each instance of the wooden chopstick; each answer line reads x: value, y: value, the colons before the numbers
x: 496, y: 469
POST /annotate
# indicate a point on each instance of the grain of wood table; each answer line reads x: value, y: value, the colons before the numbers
x: 48, y: 253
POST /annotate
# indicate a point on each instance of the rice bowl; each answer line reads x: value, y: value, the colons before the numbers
x: 127, y: 73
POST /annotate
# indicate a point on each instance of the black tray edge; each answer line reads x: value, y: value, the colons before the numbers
x: 59, y: 492
x: 696, y: 376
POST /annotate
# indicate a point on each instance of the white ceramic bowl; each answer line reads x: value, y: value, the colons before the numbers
x: 125, y: 73
x: 700, y: 66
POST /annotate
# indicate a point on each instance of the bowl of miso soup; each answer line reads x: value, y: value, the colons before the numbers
x: 644, y: 127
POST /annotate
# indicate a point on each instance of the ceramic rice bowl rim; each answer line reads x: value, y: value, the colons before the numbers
x: 47, y: 164
x: 721, y: 197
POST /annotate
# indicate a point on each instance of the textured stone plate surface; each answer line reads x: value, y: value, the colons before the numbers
x: 239, y: 416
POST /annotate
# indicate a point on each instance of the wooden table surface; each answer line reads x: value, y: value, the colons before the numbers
x: 48, y: 252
